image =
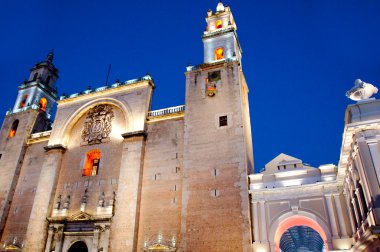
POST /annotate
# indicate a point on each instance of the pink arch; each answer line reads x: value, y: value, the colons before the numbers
x: 298, y: 220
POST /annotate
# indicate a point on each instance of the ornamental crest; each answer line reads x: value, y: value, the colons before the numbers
x: 97, y: 126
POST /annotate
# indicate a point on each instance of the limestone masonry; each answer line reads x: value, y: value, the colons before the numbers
x: 112, y: 175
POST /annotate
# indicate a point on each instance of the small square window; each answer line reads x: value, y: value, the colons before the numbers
x: 223, y: 121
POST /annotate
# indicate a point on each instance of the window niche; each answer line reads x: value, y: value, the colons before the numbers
x: 223, y: 121
x: 23, y: 101
x: 211, y: 83
x: 42, y: 104
x: 91, y: 165
x: 219, y: 53
x: 13, y: 130
x: 218, y: 24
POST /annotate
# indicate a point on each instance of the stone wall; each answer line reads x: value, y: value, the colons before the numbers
x: 215, y: 208
x: 22, y: 202
x: 161, y: 196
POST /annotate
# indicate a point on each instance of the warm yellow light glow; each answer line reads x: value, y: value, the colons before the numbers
x: 13, y: 130
x: 23, y: 101
x: 219, y: 53
x: 92, y: 163
x: 218, y: 24
x: 42, y: 104
x: 12, y: 133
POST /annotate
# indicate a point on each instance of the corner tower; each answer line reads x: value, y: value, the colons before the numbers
x: 39, y: 91
x: 217, y: 144
x: 30, y: 114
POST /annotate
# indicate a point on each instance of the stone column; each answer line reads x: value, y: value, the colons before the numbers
x: 49, y: 239
x: 264, y: 236
x: 255, y: 221
x: 95, y: 239
x: 37, y: 228
x: 332, y: 216
x: 360, y: 203
x: 127, y: 205
x: 341, y: 216
x: 59, y: 238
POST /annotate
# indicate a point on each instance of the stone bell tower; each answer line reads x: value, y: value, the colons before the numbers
x: 30, y: 114
x: 217, y: 145
x: 39, y: 91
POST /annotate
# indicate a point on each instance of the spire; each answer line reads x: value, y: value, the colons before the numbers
x: 50, y: 56
x: 220, y: 7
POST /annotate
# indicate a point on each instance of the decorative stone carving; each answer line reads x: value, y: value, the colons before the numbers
x: 160, y: 244
x: 97, y: 126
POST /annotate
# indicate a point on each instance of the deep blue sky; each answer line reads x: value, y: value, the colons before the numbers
x: 299, y: 58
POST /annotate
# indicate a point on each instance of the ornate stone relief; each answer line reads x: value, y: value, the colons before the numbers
x: 97, y: 126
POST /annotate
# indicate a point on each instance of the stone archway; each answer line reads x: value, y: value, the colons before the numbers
x: 78, y: 246
x: 301, y: 238
x: 289, y: 220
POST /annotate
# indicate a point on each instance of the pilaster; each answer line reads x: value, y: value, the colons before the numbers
x: 37, y: 228
x: 59, y: 238
x: 125, y: 222
x: 341, y: 216
x: 95, y: 239
x: 106, y: 238
x: 264, y: 236
x: 332, y: 216
x: 49, y: 239
x: 255, y: 221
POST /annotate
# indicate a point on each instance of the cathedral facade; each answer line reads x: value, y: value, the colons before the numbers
x: 110, y: 174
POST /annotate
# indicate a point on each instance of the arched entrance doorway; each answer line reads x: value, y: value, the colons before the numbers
x: 305, y: 222
x: 301, y: 239
x: 78, y: 246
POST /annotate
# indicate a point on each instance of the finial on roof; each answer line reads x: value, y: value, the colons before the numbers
x: 220, y: 7
x: 361, y: 91
x: 50, y: 56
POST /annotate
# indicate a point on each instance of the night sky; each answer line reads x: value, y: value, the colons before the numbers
x: 299, y: 58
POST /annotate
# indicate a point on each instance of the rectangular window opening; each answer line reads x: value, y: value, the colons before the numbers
x: 223, y: 121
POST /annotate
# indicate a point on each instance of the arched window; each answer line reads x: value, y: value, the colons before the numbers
x: 91, y: 165
x: 13, y: 130
x: 35, y: 76
x: 23, y: 101
x: 218, y: 24
x: 219, y: 53
x: 42, y: 104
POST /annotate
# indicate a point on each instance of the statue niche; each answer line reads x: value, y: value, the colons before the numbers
x: 97, y: 125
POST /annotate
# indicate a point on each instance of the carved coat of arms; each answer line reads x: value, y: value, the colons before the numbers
x: 97, y: 125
